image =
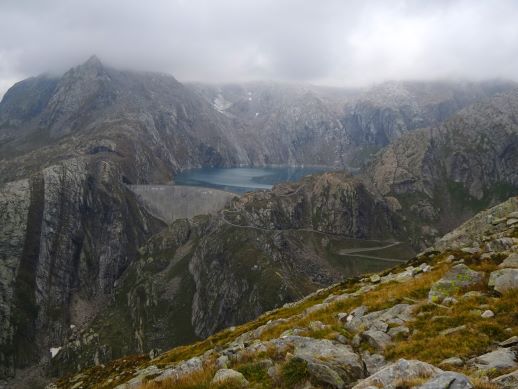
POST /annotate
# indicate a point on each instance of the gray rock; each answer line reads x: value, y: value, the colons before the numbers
x: 453, y: 361
x: 375, y: 278
x: 182, y: 369
x: 487, y: 314
x: 507, y: 381
x: 458, y: 278
x: 501, y: 358
x: 512, y: 341
x: 504, y: 279
x: 449, y: 301
x: 222, y: 362
x: 400, y: 330
x: 230, y: 377
x: 377, y: 339
x: 510, y: 261
x: 323, y: 374
x: 471, y: 250
x: 449, y: 331
x: 388, y: 376
x: 379, y: 320
x: 373, y: 362
x: 342, y: 316
x: 448, y: 380
x: 338, y: 357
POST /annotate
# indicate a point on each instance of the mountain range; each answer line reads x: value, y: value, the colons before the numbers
x: 87, y: 269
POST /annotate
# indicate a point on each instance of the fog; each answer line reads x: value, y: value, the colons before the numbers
x: 331, y: 42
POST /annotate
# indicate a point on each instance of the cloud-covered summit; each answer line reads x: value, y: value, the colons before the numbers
x: 333, y: 42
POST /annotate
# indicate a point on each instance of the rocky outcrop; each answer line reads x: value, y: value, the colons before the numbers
x: 459, y: 278
x: 447, y: 173
x: 71, y: 231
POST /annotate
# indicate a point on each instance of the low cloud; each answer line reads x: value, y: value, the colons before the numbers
x: 332, y: 42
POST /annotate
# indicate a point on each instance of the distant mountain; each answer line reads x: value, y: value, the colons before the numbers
x: 340, y: 127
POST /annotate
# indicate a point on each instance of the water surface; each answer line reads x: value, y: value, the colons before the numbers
x: 241, y: 180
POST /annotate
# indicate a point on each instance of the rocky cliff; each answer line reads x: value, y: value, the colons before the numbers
x: 305, y: 124
x: 435, y: 177
x: 70, y: 231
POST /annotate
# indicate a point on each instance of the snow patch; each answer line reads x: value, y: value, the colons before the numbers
x: 54, y: 351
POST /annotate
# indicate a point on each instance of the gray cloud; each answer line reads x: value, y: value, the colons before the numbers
x: 334, y: 42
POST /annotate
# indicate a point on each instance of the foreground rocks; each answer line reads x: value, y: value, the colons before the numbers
x: 459, y: 278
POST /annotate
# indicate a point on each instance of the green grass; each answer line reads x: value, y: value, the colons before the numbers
x: 294, y: 372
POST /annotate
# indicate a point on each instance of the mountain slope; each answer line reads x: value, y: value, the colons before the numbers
x: 214, y: 272
x: 304, y: 124
x: 450, y: 307
x: 441, y: 175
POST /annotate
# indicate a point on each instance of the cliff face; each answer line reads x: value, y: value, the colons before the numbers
x: 304, y: 124
x: 69, y: 232
x: 439, y: 176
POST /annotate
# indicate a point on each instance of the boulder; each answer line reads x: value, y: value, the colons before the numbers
x: 373, y: 362
x: 375, y: 278
x: 487, y: 314
x: 182, y: 369
x: 510, y: 261
x: 400, y: 370
x: 453, y: 361
x: 512, y: 341
x: 379, y: 320
x: 448, y: 380
x: 229, y: 377
x: 400, y: 330
x: 501, y: 358
x: 377, y: 339
x: 338, y: 357
x: 504, y: 279
x: 323, y: 374
x: 458, y: 278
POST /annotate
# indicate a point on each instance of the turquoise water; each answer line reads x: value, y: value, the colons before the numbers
x: 241, y: 180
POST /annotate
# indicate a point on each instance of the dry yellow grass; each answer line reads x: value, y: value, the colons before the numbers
x: 197, y: 380
x: 425, y: 343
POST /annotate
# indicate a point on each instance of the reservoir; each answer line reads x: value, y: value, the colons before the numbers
x: 244, y: 179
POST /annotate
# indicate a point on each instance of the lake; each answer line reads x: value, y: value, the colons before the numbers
x: 244, y: 179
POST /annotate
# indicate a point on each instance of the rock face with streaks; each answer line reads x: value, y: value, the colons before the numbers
x: 71, y: 231
x: 440, y: 175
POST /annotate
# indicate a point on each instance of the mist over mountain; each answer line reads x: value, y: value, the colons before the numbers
x: 71, y: 145
x: 260, y: 194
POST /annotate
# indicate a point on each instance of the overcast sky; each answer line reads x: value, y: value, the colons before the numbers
x: 334, y: 42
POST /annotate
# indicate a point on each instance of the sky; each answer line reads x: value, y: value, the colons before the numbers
x: 329, y: 42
